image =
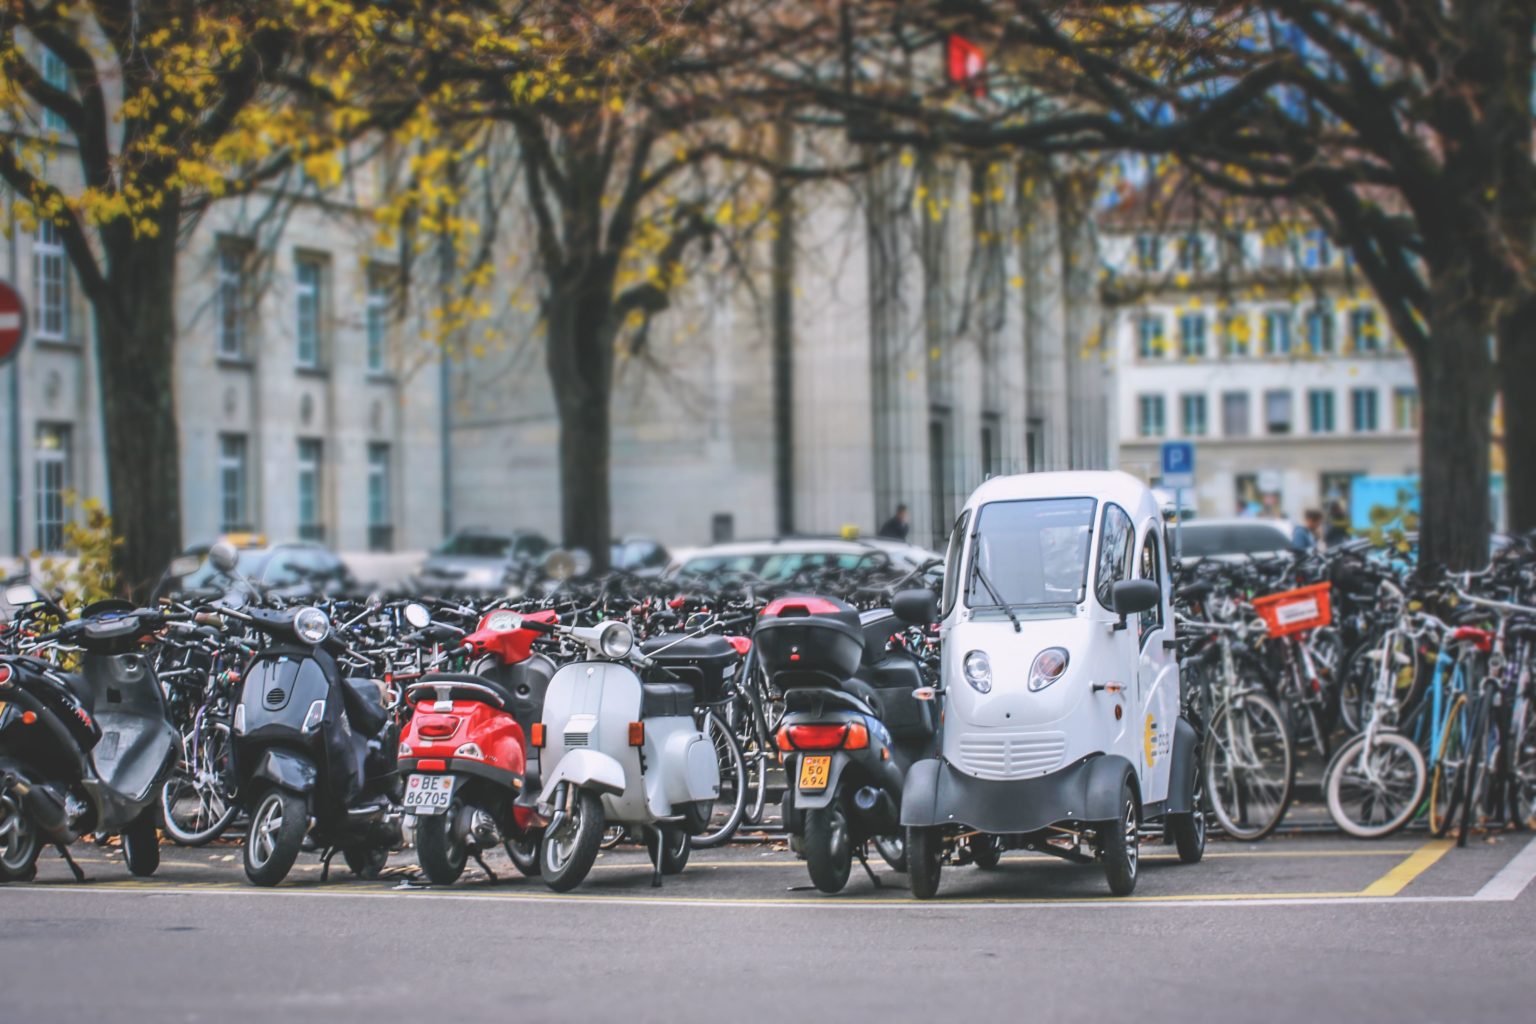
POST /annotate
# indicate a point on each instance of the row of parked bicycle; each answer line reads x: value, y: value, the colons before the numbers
x: 1063, y: 690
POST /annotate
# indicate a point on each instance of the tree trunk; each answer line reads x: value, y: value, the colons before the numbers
x: 1517, y: 371
x: 136, y: 331
x: 1457, y: 384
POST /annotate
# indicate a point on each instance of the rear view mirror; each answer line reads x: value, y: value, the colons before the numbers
x: 184, y: 565
x: 417, y: 616
x: 224, y: 557
x: 1132, y: 597
x: 21, y: 594
x: 916, y: 607
x: 559, y: 565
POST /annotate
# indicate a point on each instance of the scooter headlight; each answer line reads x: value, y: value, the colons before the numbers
x: 978, y: 671
x: 311, y: 624
x: 616, y: 640
x: 1050, y: 664
x: 503, y: 622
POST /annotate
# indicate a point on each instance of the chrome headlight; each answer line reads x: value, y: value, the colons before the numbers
x: 978, y: 671
x: 1049, y: 666
x: 311, y: 624
x: 616, y: 640
x: 503, y: 622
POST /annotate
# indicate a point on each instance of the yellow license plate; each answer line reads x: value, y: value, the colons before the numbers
x: 3, y: 706
x: 814, y: 771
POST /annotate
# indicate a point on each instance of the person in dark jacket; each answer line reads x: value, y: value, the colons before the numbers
x: 898, y: 525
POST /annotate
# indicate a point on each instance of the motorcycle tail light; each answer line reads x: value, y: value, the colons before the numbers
x: 5, y: 674
x: 857, y: 737
x: 536, y: 735
x: 437, y: 729
x: 781, y: 740
x: 845, y: 735
x: 471, y: 750
x: 637, y: 734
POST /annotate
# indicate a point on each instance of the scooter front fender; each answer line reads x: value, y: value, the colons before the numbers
x: 287, y: 769
x: 586, y: 769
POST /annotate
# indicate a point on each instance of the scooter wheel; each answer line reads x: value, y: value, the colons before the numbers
x: 925, y: 861
x: 986, y: 851
x: 440, y: 850
x: 524, y: 853
x: 568, y: 855
x: 141, y: 844
x: 366, y: 862
x: 675, y: 846
x: 273, y: 839
x: 828, y: 848
x: 20, y: 842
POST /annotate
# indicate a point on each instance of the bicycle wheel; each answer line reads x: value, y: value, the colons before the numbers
x: 1374, y: 792
x: 1523, y: 765
x: 195, y: 801
x: 731, y: 805
x: 1480, y: 772
x: 1249, y: 766
x: 1450, y: 753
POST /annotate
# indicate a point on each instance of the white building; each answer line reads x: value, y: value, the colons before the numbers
x: 1264, y: 347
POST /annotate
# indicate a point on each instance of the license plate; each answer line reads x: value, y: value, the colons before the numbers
x: 815, y: 771
x: 428, y: 794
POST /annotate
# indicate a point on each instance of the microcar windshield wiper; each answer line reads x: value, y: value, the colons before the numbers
x: 977, y: 574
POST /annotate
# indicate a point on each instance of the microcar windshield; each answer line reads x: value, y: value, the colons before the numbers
x: 1031, y: 554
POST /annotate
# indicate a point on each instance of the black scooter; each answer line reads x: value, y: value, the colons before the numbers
x: 83, y: 752
x: 853, y: 725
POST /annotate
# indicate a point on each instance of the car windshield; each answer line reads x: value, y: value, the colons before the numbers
x: 248, y: 562
x: 772, y: 565
x: 1033, y: 553
x: 476, y: 545
x: 1201, y: 541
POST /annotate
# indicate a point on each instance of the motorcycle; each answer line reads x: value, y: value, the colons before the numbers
x: 852, y: 726
x: 83, y: 752
x: 619, y: 750
x: 470, y: 774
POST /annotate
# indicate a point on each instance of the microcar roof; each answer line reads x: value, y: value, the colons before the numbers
x: 1113, y: 486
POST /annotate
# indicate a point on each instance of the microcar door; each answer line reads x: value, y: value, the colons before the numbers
x: 1157, y: 670
x: 1114, y: 657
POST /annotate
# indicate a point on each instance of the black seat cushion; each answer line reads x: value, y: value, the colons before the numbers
x: 465, y: 693
x: 361, y: 697
x: 661, y: 700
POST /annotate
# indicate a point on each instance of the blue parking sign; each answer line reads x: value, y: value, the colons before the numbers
x: 1178, y: 464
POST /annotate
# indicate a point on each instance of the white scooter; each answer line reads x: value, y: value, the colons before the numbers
x: 617, y: 750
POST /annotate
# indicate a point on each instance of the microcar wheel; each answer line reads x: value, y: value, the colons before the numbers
x: 568, y: 853
x: 986, y: 851
x: 141, y: 844
x: 675, y: 846
x: 366, y: 862
x: 1119, y: 844
x: 440, y: 847
x: 828, y: 848
x: 274, y: 837
x: 20, y: 842
x: 925, y: 860
x: 524, y: 853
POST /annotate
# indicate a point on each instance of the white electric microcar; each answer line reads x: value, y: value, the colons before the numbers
x: 1061, y: 729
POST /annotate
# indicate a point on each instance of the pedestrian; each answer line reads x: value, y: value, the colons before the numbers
x: 1338, y: 525
x: 898, y: 525
x: 1313, y: 518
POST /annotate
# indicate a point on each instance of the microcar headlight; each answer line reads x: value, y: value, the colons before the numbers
x: 1049, y: 666
x: 311, y: 624
x: 482, y: 577
x: 616, y: 640
x: 503, y: 622
x: 978, y: 671
x: 314, y: 716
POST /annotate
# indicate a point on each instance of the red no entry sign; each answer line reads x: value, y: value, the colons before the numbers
x: 13, y: 321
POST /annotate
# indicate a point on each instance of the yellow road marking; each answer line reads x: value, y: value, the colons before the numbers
x: 1414, y: 865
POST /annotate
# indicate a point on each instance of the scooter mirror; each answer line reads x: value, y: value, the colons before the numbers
x: 418, y: 616
x: 224, y: 557
x: 21, y: 594
x: 560, y: 565
x: 185, y: 565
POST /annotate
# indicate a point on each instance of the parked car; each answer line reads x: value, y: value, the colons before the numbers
x: 1237, y: 538
x: 296, y: 565
x: 477, y: 559
x: 782, y: 557
x: 639, y: 555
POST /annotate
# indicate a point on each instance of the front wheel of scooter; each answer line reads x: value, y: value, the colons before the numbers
x: 274, y: 837
x: 141, y: 844
x: 828, y: 847
x: 440, y: 847
x: 925, y: 860
x: 524, y: 853
x: 568, y: 854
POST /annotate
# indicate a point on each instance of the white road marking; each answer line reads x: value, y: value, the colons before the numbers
x: 1511, y: 881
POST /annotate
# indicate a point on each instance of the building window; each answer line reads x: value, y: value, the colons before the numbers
x: 311, y: 520
x: 56, y: 75
x: 1191, y: 255
x: 1192, y: 335
x: 1364, y: 334
x: 1234, y: 250
x: 231, y: 300
x: 1277, y: 412
x: 1319, y: 330
x: 233, y: 484
x: 1277, y: 332
x: 1317, y: 250
x: 1234, y: 334
x: 1149, y: 252
x: 381, y: 527
x: 309, y: 305
x: 1234, y: 414
x: 1320, y: 412
x: 1193, y: 409
x: 1153, y: 422
x: 991, y: 447
x: 1362, y: 402
x: 1149, y: 336
x: 50, y: 283
x: 52, y: 483
x: 378, y: 319
x: 1405, y: 409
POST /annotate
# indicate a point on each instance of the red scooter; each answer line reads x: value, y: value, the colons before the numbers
x: 471, y: 772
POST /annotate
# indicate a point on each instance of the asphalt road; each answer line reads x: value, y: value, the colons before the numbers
x: 1314, y: 929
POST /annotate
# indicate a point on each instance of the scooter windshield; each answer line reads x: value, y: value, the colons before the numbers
x: 1031, y: 555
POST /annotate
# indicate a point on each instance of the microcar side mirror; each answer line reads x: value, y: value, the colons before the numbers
x: 916, y: 607
x: 1132, y: 597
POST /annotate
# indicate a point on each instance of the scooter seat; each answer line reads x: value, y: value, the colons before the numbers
x: 467, y: 692
x: 662, y: 700
x: 364, y: 710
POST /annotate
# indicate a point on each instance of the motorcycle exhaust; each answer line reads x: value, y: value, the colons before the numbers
x: 874, y: 805
x: 45, y: 808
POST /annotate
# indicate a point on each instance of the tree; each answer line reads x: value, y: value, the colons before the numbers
x: 1405, y: 129
x: 166, y: 107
